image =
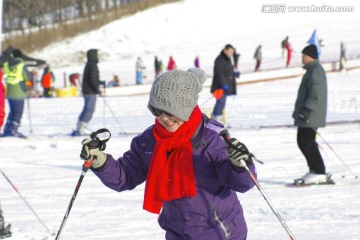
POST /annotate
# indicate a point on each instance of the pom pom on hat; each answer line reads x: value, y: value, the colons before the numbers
x: 177, y: 92
x: 200, y: 73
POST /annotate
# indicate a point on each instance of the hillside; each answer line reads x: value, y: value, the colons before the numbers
x: 201, y: 27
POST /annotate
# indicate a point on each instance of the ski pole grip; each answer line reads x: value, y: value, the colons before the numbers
x: 225, y: 135
x: 87, y: 164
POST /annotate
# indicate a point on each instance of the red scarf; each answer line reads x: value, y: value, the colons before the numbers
x: 171, y: 177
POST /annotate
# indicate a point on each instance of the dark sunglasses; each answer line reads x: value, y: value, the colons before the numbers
x: 157, y: 112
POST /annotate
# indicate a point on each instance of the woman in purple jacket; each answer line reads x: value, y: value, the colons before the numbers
x: 191, y: 174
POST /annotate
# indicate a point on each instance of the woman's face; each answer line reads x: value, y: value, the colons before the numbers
x: 170, y: 123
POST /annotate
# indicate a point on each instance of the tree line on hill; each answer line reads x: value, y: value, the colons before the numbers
x: 30, y: 25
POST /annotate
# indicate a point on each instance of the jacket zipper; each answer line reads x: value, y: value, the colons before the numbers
x: 222, y: 225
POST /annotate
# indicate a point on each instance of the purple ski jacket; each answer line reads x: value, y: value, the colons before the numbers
x: 214, y: 212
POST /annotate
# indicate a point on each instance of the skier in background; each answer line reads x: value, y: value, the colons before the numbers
x: 162, y: 67
x: 283, y: 44
x: 139, y: 71
x: 197, y: 62
x: 258, y: 57
x: 236, y: 57
x: 171, y: 64
x: 47, y: 81
x: 289, y: 51
x: 310, y: 114
x: 223, y: 79
x: 74, y: 79
x: 157, y: 66
x: 17, y: 75
x: 342, y: 61
x: 90, y: 90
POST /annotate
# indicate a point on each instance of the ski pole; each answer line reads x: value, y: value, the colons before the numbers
x: 94, y: 143
x: 281, y: 220
x: 267, y: 199
x: 29, y: 113
x: 323, y: 152
x: 254, y: 158
x: 27, y: 204
x: 337, y: 155
x: 104, y: 112
x: 85, y: 167
x: 206, y: 101
x: 112, y: 113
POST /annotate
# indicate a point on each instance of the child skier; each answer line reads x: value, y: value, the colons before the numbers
x: 191, y: 174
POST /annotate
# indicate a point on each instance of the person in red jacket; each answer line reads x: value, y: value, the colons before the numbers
x: 47, y: 80
x: 171, y: 64
x: 2, y: 100
x: 289, y: 50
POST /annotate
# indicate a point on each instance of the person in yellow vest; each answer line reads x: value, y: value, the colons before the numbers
x: 16, y: 76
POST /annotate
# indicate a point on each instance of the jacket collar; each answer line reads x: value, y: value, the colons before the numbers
x: 223, y: 55
x: 198, y: 138
x: 311, y: 64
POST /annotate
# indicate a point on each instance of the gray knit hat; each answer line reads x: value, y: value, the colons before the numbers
x: 177, y: 92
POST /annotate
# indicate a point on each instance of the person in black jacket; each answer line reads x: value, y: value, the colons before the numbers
x: 157, y: 67
x: 258, y: 57
x: 90, y: 88
x: 236, y: 59
x: 223, y: 79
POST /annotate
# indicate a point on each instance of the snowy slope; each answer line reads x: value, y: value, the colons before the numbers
x: 202, y: 27
x: 46, y: 169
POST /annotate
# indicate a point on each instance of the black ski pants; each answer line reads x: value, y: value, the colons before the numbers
x: 309, y: 147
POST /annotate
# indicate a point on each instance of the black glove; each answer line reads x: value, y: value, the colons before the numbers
x: 91, y: 151
x: 238, y: 153
x: 236, y: 74
x: 305, y: 114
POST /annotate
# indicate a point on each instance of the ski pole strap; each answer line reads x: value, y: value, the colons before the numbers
x: 96, y: 142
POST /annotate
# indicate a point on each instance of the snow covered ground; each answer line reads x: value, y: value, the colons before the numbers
x: 45, y: 169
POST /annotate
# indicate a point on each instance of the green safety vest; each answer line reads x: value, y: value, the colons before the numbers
x: 14, y: 75
x: 15, y: 78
